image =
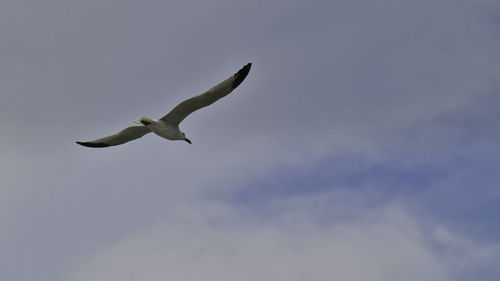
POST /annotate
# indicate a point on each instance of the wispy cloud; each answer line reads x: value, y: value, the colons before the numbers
x: 362, y: 146
x: 214, y: 243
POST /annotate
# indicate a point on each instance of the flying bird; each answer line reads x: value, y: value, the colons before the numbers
x: 168, y: 126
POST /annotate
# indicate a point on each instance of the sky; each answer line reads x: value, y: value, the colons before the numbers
x: 362, y: 146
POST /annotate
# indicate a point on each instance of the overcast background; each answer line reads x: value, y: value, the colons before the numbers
x: 363, y: 145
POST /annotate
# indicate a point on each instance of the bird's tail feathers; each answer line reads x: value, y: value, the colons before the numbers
x: 144, y: 121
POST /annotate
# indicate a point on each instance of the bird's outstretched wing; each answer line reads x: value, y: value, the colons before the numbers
x: 183, y: 109
x: 123, y: 136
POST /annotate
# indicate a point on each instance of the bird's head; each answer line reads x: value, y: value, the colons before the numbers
x: 184, y: 137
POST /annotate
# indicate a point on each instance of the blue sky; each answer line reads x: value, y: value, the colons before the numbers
x: 363, y: 145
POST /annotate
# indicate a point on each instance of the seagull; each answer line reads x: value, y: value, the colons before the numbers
x: 168, y: 126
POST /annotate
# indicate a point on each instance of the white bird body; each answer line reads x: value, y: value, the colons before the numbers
x: 168, y: 126
x: 161, y: 128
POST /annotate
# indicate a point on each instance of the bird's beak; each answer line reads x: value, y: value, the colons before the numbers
x: 188, y: 140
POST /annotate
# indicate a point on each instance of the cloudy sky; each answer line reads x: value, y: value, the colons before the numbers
x: 363, y: 145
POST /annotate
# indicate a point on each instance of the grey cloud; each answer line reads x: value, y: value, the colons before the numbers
x: 327, y: 77
x: 219, y: 245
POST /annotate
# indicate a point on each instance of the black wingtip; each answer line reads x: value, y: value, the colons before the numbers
x: 241, y: 75
x: 92, y: 144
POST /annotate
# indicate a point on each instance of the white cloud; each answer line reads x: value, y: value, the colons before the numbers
x: 321, y: 81
x: 383, y: 244
x: 469, y: 259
